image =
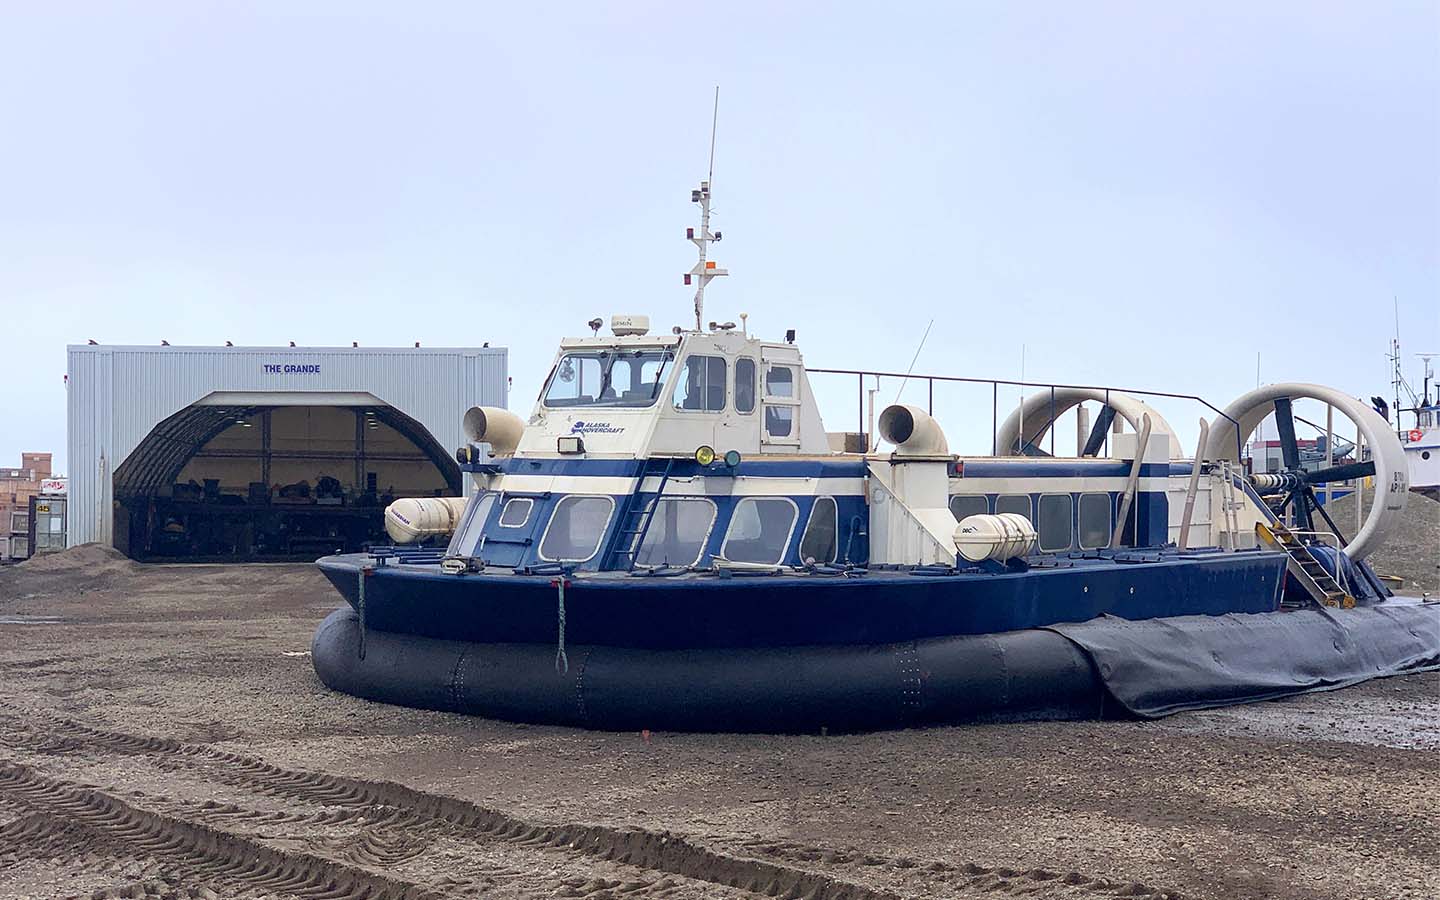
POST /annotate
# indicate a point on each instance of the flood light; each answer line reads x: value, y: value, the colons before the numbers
x: 704, y: 454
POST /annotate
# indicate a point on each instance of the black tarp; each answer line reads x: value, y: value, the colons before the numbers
x: 1155, y: 667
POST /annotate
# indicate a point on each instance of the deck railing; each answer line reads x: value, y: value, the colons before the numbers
x: 995, y: 383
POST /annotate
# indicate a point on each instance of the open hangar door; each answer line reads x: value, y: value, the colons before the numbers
x: 282, y: 482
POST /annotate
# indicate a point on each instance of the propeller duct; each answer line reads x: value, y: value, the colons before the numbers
x: 1387, y: 463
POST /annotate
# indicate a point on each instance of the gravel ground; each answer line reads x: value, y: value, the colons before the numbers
x: 1411, y: 550
x: 162, y: 734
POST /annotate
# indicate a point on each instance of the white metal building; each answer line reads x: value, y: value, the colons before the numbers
x: 214, y: 451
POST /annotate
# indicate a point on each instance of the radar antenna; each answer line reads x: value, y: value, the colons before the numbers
x: 704, y: 270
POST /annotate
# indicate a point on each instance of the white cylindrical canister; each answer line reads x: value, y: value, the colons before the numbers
x: 998, y: 537
x: 415, y: 518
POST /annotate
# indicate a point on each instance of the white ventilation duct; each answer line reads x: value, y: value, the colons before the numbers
x: 500, y: 428
x: 912, y: 431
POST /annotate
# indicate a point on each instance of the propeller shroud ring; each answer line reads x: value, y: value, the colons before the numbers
x: 1392, y: 474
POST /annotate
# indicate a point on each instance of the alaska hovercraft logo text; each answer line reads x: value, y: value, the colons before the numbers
x: 595, y: 428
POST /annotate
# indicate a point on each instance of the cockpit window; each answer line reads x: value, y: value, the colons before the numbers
x: 613, y: 377
x: 744, y: 385
x: 702, y: 384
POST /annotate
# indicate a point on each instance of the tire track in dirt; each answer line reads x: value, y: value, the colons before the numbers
x: 969, y: 876
x: 197, y: 852
x: 71, y: 847
x: 658, y: 853
x: 395, y: 812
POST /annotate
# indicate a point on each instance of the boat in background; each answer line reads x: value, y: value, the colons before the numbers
x: 1422, y: 440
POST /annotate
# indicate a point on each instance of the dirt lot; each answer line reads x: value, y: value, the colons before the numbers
x: 1411, y: 549
x: 162, y: 734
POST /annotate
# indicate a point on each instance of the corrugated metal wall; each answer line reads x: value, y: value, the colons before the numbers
x: 118, y: 394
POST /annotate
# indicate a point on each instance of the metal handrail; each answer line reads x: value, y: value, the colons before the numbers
x: 1321, y: 534
x: 995, y: 402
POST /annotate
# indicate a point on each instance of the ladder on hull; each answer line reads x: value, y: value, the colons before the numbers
x: 635, y: 521
x: 1317, y: 581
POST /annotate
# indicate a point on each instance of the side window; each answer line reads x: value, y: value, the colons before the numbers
x: 760, y: 530
x: 678, y: 530
x: 466, y: 540
x: 1054, y: 526
x: 780, y: 382
x: 702, y: 384
x: 1016, y: 503
x: 1094, y: 521
x: 818, y: 544
x: 744, y: 385
x: 964, y: 505
x: 575, y: 529
x: 779, y: 420
x: 780, y: 385
x: 516, y: 512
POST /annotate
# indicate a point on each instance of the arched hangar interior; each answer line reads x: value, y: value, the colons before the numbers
x: 263, y: 482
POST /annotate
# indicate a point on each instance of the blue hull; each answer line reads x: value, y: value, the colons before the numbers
x: 705, y: 611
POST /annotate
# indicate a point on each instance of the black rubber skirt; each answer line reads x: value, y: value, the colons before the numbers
x: 1103, y: 667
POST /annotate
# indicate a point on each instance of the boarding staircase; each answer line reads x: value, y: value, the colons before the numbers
x: 636, y: 517
x: 1317, y: 581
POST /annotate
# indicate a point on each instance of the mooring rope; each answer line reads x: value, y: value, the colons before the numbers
x: 562, y: 661
x: 362, y: 612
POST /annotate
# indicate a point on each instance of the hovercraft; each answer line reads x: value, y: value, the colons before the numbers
x: 673, y: 540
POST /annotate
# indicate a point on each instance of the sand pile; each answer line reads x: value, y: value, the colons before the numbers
x: 83, y: 556
x: 1411, y: 550
x: 81, y: 568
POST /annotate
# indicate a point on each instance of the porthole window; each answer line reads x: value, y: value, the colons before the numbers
x: 678, y: 529
x: 575, y: 528
x: 744, y: 385
x: 1054, y: 525
x: 1014, y: 503
x: 818, y: 544
x: 760, y: 530
x: 516, y: 512
x: 1094, y: 521
x: 963, y: 506
x: 1424, y: 454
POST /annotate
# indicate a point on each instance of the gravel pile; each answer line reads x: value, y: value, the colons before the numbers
x: 1412, y: 550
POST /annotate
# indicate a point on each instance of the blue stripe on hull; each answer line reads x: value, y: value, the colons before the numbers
x: 694, y: 611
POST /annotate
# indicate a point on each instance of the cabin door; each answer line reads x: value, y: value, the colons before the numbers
x: 780, y: 397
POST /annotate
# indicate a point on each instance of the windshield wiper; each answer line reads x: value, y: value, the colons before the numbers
x: 664, y: 361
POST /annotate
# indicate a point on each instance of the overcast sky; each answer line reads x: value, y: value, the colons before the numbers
x: 1140, y: 194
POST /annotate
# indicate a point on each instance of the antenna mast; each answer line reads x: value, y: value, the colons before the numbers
x: 1397, y: 373
x: 704, y: 270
